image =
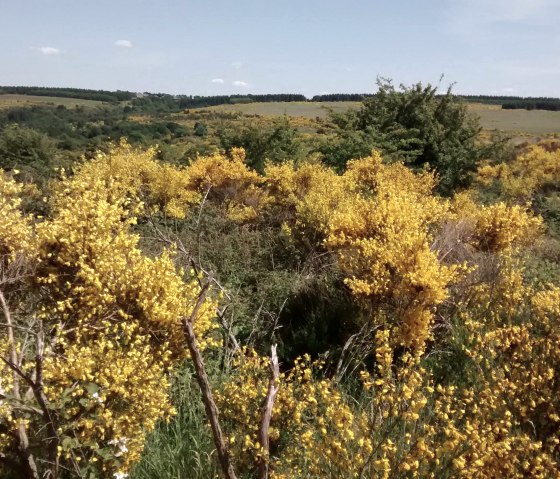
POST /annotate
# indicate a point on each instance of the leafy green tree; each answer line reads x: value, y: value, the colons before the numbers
x: 415, y: 125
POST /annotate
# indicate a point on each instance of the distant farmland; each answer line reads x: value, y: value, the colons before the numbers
x: 13, y: 100
x: 304, y: 109
x: 516, y: 122
x: 533, y: 122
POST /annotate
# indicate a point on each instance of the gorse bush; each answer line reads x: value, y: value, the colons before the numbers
x: 92, y: 324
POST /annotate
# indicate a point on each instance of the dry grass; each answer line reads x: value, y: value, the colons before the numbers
x: 518, y: 122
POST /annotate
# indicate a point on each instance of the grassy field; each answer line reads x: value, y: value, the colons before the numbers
x: 294, y: 109
x: 12, y: 100
x: 519, y: 123
x: 535, y: 122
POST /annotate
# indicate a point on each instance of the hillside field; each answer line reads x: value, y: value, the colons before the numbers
x: 516, y: 122
x: 13, y: 101
x: 519, y: 123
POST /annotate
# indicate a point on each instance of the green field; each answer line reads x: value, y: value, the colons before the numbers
x: 516, y: 122
x: 12, y: 101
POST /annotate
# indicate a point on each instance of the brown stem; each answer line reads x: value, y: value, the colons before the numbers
x: 266, y: 415
x: 207, y: 397
x: 21, y: 433
x: 41, y: 398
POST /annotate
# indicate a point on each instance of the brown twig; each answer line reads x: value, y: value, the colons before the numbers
x: 266, y: 414
x: 202, y: 378
x: 21, y: 432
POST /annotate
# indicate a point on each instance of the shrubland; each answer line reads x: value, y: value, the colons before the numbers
x: 416, y: 333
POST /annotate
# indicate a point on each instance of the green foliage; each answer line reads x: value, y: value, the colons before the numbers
x: 78, y: 129
x: 278, y: 291
x: 547, y: 204
x: 200, y: 129
x: 27, y: 150
x: 85, y: 94
x: 276, y: 144
x: 415, y: 125
x: 183, y: 446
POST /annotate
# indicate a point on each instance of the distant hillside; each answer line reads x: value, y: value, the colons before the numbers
x: 77, y: 93
x: 162, y: 102
x: 506, y: 102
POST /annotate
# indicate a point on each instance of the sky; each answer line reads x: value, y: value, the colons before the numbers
x: 213, y: 47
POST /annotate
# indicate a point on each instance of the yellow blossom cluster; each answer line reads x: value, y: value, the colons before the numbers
x: 512, y: 425
x: 111, y: 317
x: 135, y: 174
x: 229, y: 182
x: 313, y: 432
x: 500, y: 227
x: 404, y: 425
x: 381, y: 221
x: 533, y: 169
x: 306, y: 197
x: 383, y: 240
x: 16, y: 232
x: 110, y: 391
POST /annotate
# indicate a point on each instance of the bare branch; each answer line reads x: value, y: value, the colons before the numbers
x: 266, y: 415
x: 205, y: 389
x: 21, y: 432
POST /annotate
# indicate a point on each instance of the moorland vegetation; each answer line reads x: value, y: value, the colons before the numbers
x: 376, y: 296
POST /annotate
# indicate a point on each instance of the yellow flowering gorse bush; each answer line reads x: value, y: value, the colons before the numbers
x: 111, y: 318
x: 532, y: 170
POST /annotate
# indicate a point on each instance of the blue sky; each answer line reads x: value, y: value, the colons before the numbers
x: 210, y: 47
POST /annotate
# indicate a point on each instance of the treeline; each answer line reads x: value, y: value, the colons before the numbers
x: 201, y: 101
x: 164, y: 103
x: 516, y: 102
x: 550, y: 104
x: 506, y: 102
x: 77, y: 93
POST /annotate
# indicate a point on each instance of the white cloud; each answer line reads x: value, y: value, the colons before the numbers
x: 123, y: 43
x: 237, y: 65
x: 49, y: 50
x: 217, y: 80
x: 240, y: 83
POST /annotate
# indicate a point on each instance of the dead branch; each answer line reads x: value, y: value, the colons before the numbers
x: 21, y: 433
x: 266, y: 415
x: 212, y: 412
